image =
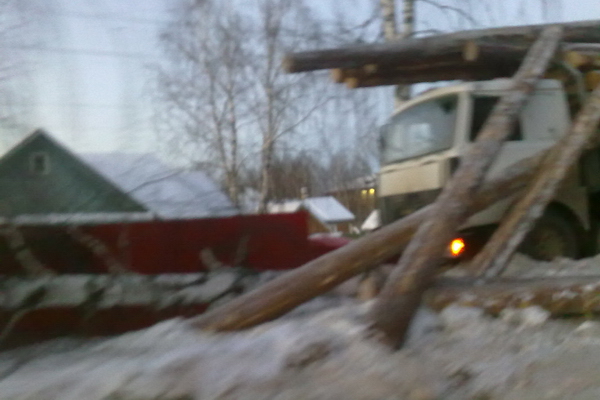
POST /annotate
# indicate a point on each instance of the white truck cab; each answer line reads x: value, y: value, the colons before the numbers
x: 422, y: 145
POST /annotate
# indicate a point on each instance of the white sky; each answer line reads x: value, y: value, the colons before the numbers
x: 89, y: 83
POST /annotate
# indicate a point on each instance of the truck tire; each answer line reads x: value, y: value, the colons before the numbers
x: 554, y: 235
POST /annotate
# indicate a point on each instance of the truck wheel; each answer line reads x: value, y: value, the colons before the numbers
x: 554, y: 235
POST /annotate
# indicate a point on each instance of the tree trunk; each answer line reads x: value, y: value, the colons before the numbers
x: 390, y: 32
x: 404, y: 76
x: 431, y: 49
x: 497, y: 252
x: 388, y: 17
x: 561, y: 295
x: 401, y: 295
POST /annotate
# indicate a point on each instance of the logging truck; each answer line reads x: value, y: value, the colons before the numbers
x: 422, y: 145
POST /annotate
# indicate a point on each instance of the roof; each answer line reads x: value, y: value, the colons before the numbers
x: 326, y: 209
x: 168, y: 192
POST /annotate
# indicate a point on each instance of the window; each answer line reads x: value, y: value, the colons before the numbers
x: 425, y: 128
x: 482, y: 107
x: 39, y: 163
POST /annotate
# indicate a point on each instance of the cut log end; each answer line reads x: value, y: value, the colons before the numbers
x: 470, y: 51
x: 289, y: 64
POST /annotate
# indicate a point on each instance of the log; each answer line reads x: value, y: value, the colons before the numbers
x: 497, y: 252
x: 443, y: 73
x: 429, y: 50
x: 479, y: 62
x: 561, y: 296
x: 401, y: 296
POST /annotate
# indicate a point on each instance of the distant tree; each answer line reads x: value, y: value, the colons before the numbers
x: 225, y: 101
x: 204, y: 88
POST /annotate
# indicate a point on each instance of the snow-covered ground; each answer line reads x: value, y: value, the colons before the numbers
x: 323, y: 350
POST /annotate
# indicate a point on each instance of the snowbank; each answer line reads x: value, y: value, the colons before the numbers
x: 462, y: 354
x: 323, y: 350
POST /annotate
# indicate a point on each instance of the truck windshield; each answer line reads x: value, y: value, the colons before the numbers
x: 424, y: 128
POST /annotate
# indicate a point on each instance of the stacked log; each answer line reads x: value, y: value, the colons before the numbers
x: 468, y: 55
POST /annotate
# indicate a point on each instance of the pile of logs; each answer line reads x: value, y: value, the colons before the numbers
x: 422, y: 237
x: 469, y: 55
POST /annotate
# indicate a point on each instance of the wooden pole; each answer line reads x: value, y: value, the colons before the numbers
x: 401, y: 296
x: 429, y: 49
x: 559, y: 295
x: 496, y: 254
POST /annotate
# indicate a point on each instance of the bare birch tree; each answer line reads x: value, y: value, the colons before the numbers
x: 204, y: 89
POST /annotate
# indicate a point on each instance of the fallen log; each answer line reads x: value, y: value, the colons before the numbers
x: 401, y: 296
x: 560, y: 296
x: 510, y: 42
x: 497, y: 252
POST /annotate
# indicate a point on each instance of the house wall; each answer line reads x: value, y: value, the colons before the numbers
x: 315, y: 226
x: 67, y: 185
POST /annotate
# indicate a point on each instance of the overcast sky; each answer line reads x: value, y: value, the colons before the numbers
x: 88, y: 82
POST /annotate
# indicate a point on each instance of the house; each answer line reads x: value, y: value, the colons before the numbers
x: 326, y: 213
x: 40, y: 176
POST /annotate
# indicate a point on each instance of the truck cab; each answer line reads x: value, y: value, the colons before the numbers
x: 424, y: 141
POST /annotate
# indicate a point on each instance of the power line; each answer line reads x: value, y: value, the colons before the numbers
x: 76, y: 105
x: 101, y: 53
x: 105, y: 17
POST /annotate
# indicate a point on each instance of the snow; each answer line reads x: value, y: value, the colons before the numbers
x: 324, y: 350
x: 326, y: 209
x: 320, y: 351
x: 168, y: 192
x: 372, y: 222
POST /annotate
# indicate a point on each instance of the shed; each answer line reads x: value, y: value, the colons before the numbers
x: 327, y: 213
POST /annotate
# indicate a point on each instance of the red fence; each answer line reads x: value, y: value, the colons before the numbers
x: 268, y: 242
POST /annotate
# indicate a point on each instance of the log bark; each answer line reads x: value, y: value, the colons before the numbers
x: 561, y: 296
x: 475, y: 71
x: 428, y: 50
x: 401, y: 296
x: 497, y: 252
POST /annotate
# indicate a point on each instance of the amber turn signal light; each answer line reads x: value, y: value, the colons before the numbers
x: 457, y: 247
